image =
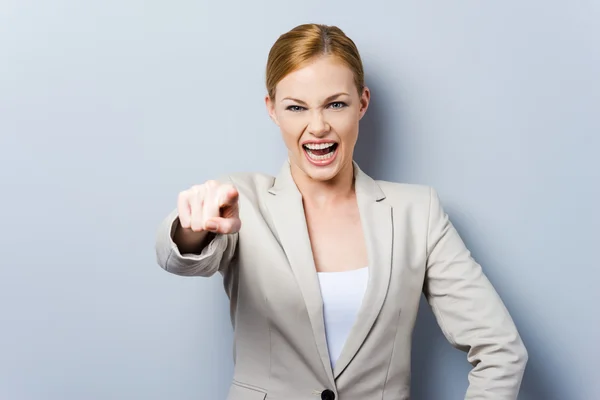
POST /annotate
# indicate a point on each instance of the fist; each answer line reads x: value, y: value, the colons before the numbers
x: 212, y: 207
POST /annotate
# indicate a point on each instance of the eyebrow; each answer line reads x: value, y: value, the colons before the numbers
x: 327, y: 100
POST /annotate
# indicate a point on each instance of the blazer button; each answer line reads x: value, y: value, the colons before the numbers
x: 327, y: 395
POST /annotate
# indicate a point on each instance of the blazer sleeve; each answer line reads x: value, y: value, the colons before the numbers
x: 216, y: 256
x: 470, y: 312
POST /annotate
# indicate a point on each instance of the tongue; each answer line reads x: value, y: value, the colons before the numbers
x: 321, y: 152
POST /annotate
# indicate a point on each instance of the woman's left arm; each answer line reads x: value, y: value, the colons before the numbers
x: 470, y: 313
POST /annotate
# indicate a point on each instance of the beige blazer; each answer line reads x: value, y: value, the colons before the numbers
x: 280, y: 348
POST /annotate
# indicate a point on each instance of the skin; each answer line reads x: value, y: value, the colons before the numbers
x: 318, y: 101
x: 321, y: 101
x: 318, y: 116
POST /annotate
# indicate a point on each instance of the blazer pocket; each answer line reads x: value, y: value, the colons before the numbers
x: 241, y: 391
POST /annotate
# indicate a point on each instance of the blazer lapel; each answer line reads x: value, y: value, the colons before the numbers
x: 287, y: 210
x: 376, y: 219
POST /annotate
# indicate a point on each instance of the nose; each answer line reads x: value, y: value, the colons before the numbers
x: 317, y: 124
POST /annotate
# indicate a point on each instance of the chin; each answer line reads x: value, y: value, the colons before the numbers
x: 320, y: 173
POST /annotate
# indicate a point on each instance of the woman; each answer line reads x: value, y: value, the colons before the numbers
x: 323, y: 265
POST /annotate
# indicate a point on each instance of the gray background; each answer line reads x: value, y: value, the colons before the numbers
x: 109, y: 108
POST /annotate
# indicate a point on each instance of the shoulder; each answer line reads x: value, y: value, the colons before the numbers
x: 249, y: 183
x: 421, y: 202
x: 403, y: 193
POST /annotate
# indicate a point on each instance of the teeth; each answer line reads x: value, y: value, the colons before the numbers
x: 320, y: 158
x: 320, y: 146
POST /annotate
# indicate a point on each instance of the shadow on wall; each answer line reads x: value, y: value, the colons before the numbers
x: 382, y: 150
x: 434, y: 360
x: 370, y: 152
x: 438, y: 370
x: 539, y: 381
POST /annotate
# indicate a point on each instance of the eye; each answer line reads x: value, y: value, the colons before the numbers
x: 294, y: 108
x: 336, y: 105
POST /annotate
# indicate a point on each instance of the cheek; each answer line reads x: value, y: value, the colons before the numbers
x: 292, y: 125
x: 292, y: 128
x: 345, y: 125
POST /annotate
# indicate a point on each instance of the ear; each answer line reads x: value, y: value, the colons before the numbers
x: 365, y: 99
x: 270, y: 104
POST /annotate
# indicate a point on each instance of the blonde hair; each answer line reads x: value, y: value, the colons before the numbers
x: 303, y: 44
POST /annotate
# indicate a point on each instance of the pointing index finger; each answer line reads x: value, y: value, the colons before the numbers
x: 228, y: 195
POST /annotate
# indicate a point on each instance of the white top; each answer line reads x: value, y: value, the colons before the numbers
x: 342, y: 294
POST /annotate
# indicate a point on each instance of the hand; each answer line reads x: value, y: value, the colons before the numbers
x: 212, y: 206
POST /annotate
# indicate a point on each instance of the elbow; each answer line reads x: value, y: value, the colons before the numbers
x: 516, y: 354
x: 522, y: 355
x: 508, y: 353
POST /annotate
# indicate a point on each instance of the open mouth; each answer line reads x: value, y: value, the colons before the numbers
x: 320, y: 152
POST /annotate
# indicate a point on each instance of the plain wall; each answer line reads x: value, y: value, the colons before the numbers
x: 109, y: 108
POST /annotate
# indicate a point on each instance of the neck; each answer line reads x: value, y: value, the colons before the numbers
x: 324, y: 193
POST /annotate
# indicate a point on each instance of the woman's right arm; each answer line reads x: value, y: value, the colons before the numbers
x: 199, y: 238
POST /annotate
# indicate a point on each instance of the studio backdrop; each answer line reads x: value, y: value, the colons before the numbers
x: 109, y: 108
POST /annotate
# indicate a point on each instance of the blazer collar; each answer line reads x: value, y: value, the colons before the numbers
x: 363, y: 184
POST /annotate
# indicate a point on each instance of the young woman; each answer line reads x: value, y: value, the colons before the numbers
x: 323, y: 265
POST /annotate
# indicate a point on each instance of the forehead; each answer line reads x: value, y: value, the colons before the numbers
x: 319, y: 79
